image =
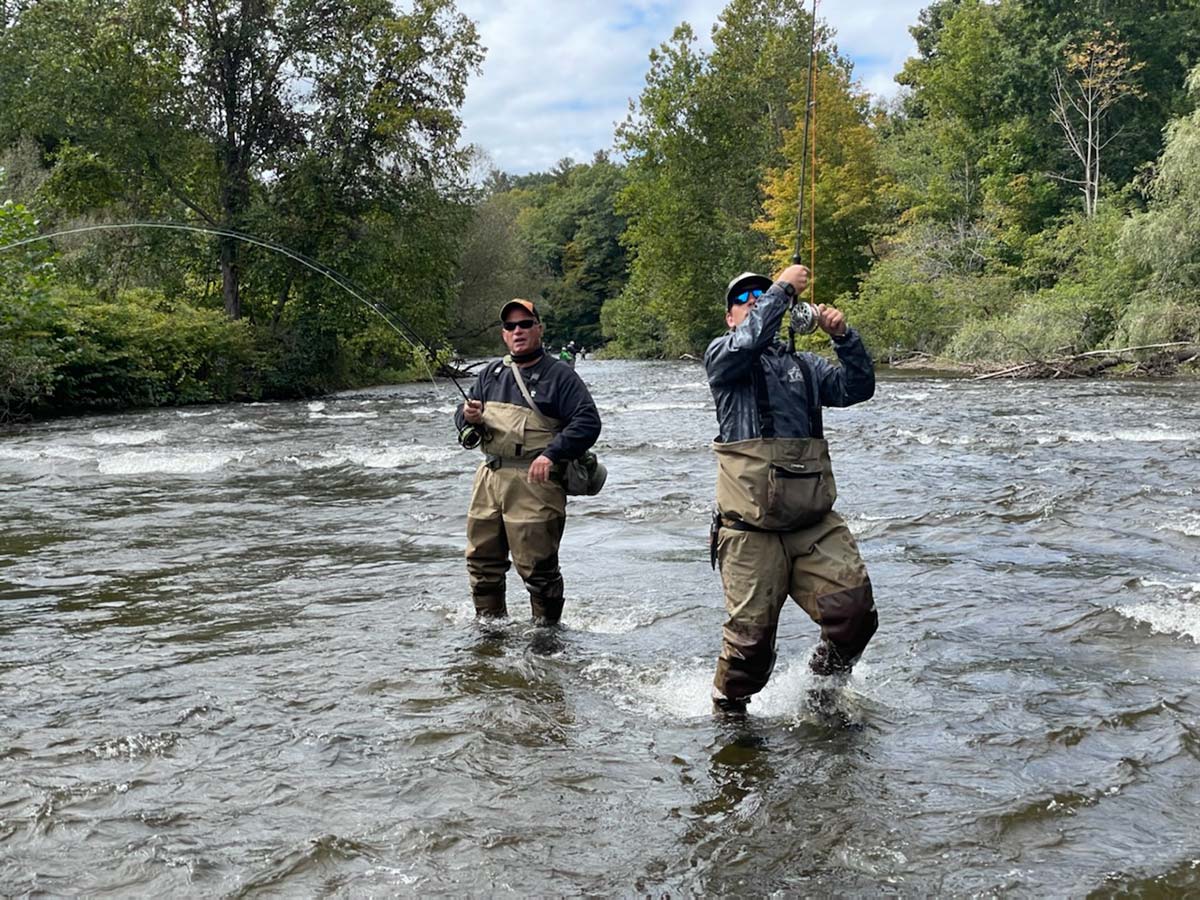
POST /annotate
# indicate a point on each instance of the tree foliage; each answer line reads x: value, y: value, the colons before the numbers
x: 553, y: 237
x: 28, y: 352
x: 330, y: 126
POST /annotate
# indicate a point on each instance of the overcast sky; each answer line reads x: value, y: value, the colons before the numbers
x: 559, y: 74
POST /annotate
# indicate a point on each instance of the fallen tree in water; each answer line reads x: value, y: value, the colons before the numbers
x: 1169, y: 358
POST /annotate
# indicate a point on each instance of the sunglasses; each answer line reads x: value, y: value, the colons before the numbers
x: 747, y: 295
x: 525, y: 324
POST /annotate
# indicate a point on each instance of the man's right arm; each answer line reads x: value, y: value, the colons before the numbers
x: 730, y: 356
x: 475, y: 393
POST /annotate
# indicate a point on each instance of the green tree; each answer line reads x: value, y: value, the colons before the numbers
x: 1164, y: 242
x: 573, y: 233
x: 494, y: 267
x: 850, y: 186
x: 28, y: 353
x: 700, y: 141
x: 220, y: 107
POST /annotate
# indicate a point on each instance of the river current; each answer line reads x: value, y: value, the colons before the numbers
x: 238, y: 658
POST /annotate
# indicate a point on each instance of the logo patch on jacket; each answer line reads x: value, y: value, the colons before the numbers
x: 794, y: 374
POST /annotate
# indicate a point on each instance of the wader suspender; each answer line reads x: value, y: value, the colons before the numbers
x: 516, y: 370
x: 816, y: 422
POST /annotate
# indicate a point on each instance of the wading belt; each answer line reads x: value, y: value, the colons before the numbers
x: 738, y: 525
x: 494, y: 462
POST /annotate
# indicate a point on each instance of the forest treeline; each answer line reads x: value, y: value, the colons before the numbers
x: 1029, y: 193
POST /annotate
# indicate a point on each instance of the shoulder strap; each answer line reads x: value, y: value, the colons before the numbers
x: 516, y: 370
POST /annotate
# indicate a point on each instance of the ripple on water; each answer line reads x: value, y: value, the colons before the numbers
x: 169, y: 462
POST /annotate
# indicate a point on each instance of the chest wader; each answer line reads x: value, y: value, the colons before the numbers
x: 511, y: 515
x: 776, y: 535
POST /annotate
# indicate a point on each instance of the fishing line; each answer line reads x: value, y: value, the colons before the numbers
x: 393, y: 320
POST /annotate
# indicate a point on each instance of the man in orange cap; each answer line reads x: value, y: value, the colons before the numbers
x: 532, y: 414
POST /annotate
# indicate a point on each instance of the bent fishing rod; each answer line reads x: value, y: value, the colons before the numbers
x: 393, y: 319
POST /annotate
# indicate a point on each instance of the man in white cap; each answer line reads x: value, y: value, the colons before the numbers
x: 775, y: 532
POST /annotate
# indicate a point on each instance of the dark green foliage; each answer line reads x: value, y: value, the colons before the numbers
x: 552, y: 237
x: 141, y: 349
x: 28, y: 313
x: 331, y: 128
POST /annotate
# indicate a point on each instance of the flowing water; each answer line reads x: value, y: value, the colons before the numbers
x: 237, y: 658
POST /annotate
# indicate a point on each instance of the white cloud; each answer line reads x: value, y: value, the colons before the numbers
x: 558, y: 76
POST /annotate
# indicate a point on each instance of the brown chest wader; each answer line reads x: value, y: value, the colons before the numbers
x: 775, y: 535
x: 509, y: 515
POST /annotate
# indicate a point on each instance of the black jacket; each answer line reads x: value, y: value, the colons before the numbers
x: 558, y: 392
x: 762, y: 390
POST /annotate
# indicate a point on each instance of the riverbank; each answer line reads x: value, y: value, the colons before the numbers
x: 1178, y: 361
x: 1171, y: 360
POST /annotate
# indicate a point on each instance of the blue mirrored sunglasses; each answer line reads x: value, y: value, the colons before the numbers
x: 746, y: 295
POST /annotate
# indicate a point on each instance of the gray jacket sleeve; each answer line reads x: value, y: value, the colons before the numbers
x: 730, y: 357
x: 851, y: 382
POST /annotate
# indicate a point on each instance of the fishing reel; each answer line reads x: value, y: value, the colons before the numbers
x: 471, y: 436
x: 805, y: 318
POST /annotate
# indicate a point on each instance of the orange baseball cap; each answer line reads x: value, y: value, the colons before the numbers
x: 526, y: 305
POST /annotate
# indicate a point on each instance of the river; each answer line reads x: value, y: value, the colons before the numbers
x: 238, y: 658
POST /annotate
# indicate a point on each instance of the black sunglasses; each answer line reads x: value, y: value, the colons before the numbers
x: 746, y: 295
x: 519, y: 323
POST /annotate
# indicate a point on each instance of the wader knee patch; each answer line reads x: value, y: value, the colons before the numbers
x: 848, y: 620
x: 747, y: 659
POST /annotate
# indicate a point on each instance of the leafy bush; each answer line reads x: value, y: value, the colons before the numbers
x: 1149, y: 319
x: 632, y: 328
x: 28, y: 352
x: 899, y: 309
x: 142, y: 349
x: 1043, y: 326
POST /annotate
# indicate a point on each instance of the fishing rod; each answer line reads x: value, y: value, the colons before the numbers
x: 393, y: 319
x: 804, y: 315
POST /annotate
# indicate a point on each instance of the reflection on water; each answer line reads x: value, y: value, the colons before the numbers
x: 239, y: 658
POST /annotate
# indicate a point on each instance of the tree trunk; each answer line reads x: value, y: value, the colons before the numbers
x: 235, y: 199
x: 229, y: 278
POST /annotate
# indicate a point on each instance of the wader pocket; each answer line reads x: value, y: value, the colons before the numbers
x: 797, y: 496
x: 775, y: 484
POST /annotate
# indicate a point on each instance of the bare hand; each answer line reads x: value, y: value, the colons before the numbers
x: 831, y: 320
x: 539, y: 470
x: 473, y: 411
x: 796, y: 276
